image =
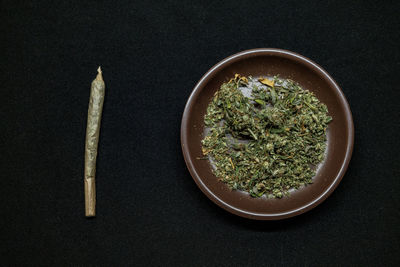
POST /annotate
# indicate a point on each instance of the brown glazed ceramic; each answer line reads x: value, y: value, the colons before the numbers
x: 258, y: 62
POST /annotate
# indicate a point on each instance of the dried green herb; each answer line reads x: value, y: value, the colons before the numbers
x: 265, y: 136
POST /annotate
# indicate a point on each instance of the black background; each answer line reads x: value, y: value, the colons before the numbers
x: 149, y: 210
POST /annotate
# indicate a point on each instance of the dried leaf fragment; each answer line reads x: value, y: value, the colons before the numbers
x: 266, y: 81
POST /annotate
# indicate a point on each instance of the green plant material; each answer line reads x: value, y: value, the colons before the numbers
x: 266, y: 143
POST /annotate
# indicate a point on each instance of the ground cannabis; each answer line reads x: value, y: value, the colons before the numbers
x: 265, y: 136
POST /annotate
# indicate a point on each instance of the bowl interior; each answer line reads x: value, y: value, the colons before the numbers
x: 309, y: 76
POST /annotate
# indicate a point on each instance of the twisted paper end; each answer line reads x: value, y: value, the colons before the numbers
x: 99, y: 74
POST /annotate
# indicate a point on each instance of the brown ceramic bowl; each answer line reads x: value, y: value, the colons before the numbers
x: 340, y: 134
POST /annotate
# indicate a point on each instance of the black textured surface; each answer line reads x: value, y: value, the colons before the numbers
x: 149, y: 210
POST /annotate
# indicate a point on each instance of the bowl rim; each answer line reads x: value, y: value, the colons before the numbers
x: 196, y: 91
